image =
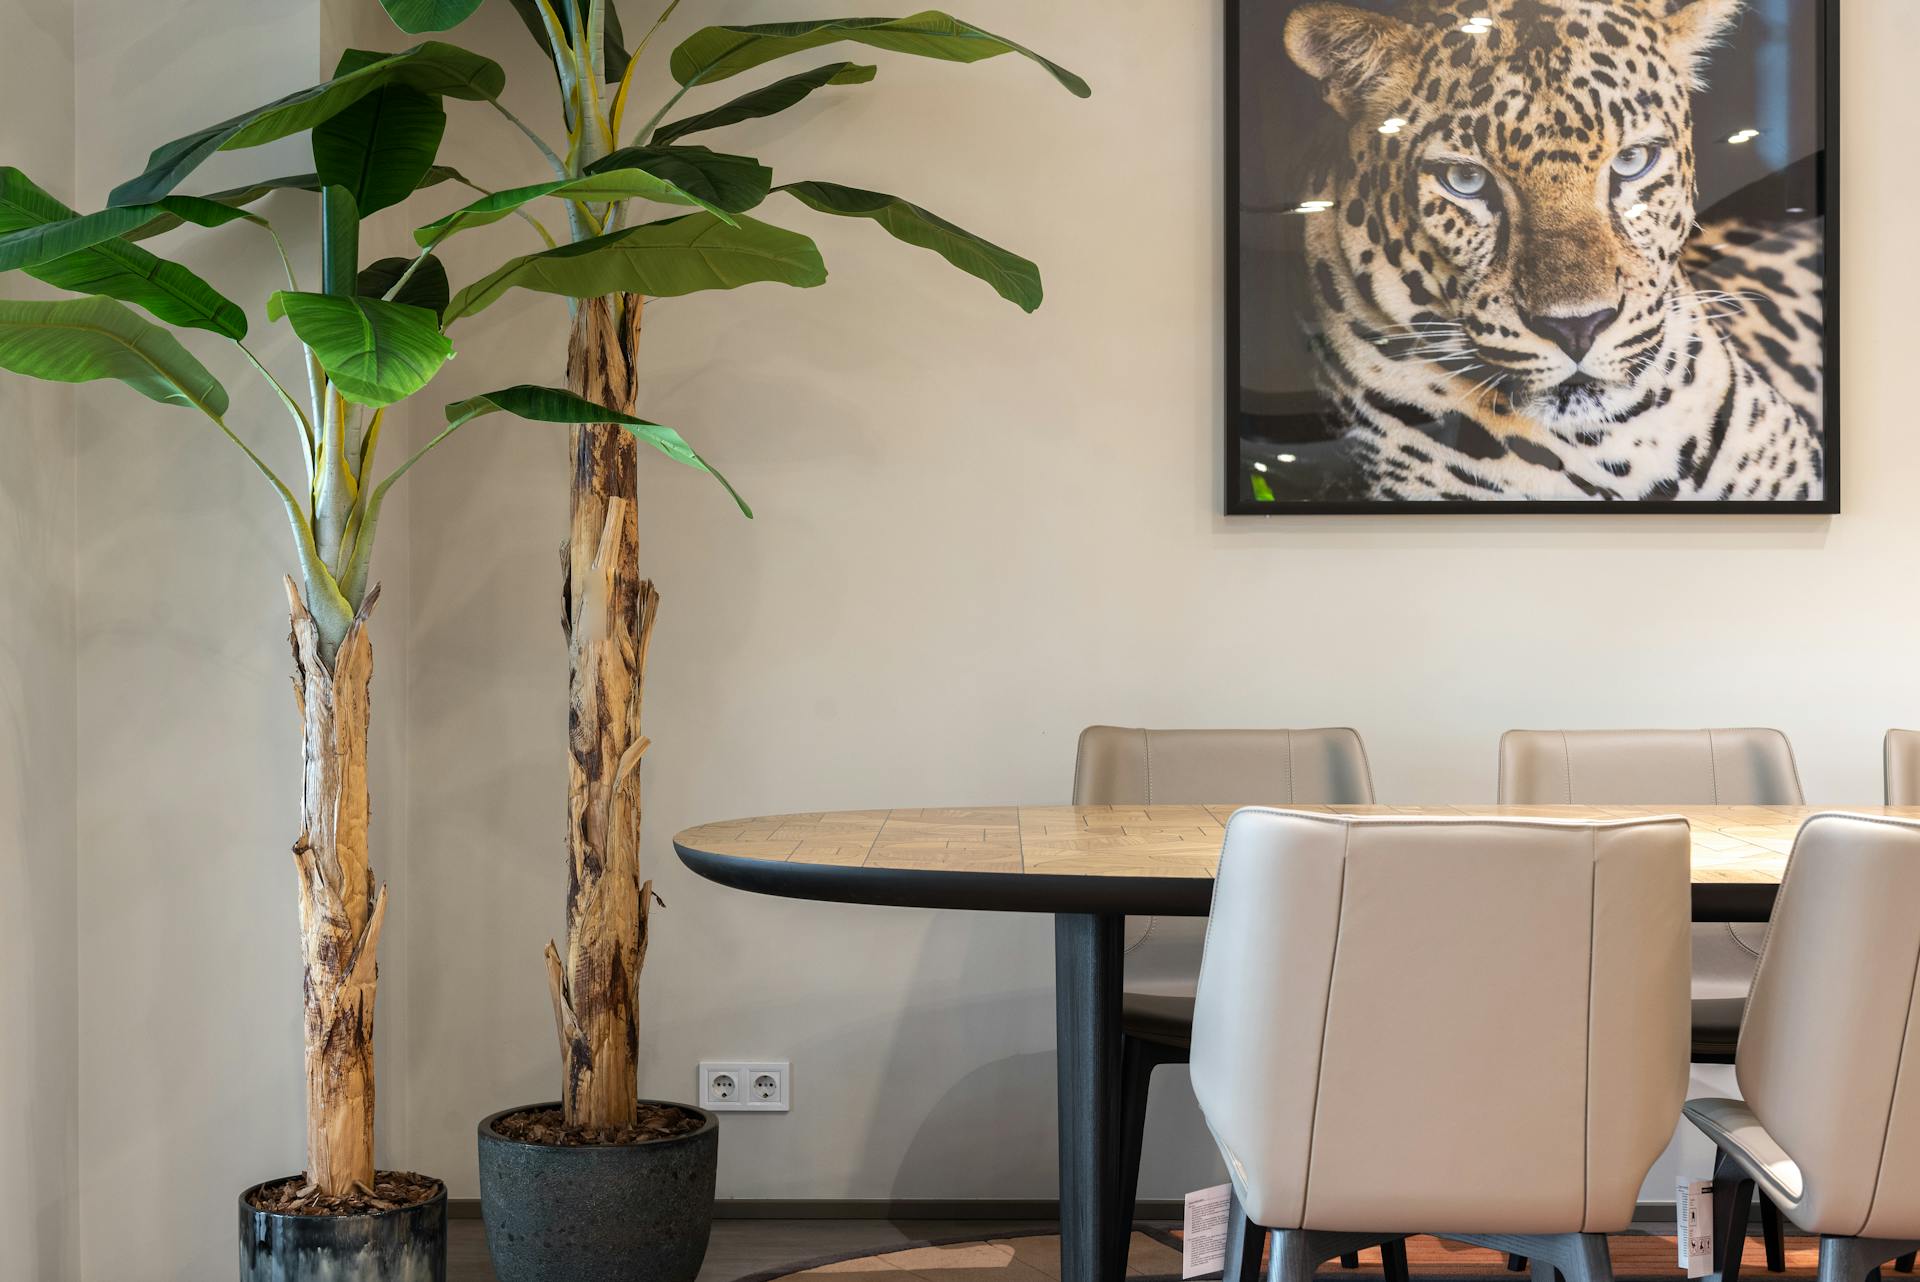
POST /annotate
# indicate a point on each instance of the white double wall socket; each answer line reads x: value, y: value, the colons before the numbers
x: 746, y: 1085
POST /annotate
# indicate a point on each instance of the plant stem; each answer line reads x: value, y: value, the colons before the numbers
x: 334, y: 496
x: 657, y: 24
x: 412, y: 267
x: 341, y: 905
x: 608, y: 616
x: 286, y: 398
x: 559, y: 168
x: 665, y: 107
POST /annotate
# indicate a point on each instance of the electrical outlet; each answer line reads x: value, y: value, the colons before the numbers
x: 759, y: 1086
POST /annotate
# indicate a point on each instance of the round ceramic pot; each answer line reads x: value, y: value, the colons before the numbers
x: 600, y: 1212
x: 404, y: 1245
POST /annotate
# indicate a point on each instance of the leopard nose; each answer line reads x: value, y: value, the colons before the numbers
x: 1573, y: 335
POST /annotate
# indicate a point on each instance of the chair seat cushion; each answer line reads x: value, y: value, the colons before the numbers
x: 1734, y: 1129
x: 1165, y: 1018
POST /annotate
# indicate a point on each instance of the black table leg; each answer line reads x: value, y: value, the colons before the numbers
x: 1087, y: 953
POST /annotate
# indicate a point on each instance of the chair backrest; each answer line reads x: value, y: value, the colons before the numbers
x: 1121, y: 765
x: 1829, y: 1056
x: 1475, y: 1025
x: 1903, y: 767
x: 1740, y: 767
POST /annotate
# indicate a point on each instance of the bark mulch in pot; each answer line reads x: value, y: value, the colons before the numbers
x: 548, y: 1126
x: 391, y: 1191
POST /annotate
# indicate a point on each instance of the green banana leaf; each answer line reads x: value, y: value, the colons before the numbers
x: 115, y: 268
x: 380, y: 147
x: 31, y: 246
x: 551, y: 405
x: 416, y: 17
x: 594, y: 188
x: 427, y: 287
x: 238, y: 197
x: 714, y: 53
x: 77, y: 340
x: 242, y: 196
x: 614, y: 42
x: 775, y: 97
x: 433, y: 68
x: 1014, y: 278
x: 732, y: 183
x: 679, y: 256
x: 375, y: 352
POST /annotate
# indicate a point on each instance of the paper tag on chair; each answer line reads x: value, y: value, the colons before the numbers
x: 1203, y: 1244
x: 1693, y: 1225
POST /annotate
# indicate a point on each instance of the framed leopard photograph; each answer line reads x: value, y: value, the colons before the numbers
x: 1532, y: 255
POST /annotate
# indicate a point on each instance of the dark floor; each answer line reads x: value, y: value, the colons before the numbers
x: 743, y: 1247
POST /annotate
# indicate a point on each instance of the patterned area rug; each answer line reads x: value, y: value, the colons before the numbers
x: 1154, y: 1256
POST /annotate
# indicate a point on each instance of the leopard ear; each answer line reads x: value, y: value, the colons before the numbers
x: 1353, y: 53
x: 1693, y: 30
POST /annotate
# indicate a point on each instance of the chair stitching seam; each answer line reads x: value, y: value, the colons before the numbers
x: 1326, y: 1018
x: 1713, y: 766
x: 1793, y: 764
x: 1880, y: 1167
x: 1593, y: 912
x: 1146, y: 748
x: 1779, y: 904
x: 1734, y: 935
x: 1566, y: 756
x: 1366, y: 764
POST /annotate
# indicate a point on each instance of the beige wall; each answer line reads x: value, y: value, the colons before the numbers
x: 188, y: 796
x: 980, y: 531
x: 977, y: 532
x: 39, y: 998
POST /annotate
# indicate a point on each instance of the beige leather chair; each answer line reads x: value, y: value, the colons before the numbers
x: 1681, y: 768
x: 1903, y: 767
x: 1829, y: 1128
x: 1659, y: 768
x: 1127, y: 766
x: 1365, y: 984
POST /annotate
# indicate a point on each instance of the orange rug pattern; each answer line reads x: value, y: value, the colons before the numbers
x: 1155, y: 1255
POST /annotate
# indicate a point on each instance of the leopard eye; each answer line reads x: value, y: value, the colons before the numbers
x: 1636, y: 161
x: 1469, y: 182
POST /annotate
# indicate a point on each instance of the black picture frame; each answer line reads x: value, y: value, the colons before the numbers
x: 1236, y: 502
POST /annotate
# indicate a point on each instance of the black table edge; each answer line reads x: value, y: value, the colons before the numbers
x: 1064, y: 892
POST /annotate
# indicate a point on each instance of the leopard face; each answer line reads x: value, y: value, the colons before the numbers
x: 1517, y: 184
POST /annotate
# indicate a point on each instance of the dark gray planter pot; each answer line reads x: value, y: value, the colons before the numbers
x: 598, y: 1213
x: 407, y: 1245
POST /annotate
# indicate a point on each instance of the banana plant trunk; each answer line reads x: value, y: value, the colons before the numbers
x: 608, y: 615
x: 341, y: 906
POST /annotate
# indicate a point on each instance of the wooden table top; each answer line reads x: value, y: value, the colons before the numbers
x: 1129, y: 858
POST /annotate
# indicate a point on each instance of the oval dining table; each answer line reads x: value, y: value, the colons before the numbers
x: 1092, y: 866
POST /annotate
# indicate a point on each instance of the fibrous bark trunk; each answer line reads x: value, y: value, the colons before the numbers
x: 341, y: 907
x: 608, y: 616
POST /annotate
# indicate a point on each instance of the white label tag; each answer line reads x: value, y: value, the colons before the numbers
x: 1693, y: 1225
x: 1203, y: 1244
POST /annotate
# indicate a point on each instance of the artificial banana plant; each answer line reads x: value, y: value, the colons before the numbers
x: 608, y: 607
x: 371, y: 335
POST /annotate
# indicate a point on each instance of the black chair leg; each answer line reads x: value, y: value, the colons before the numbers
x: 1517, y: 1263
x: 1245, y: 1244
x: 1137, y: 1062
x: 1904, y: 1264
x: 1393, y: 1261
x: 1351, y: 1260
x: 1732, y: 1200
x: 1772, y: 1234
